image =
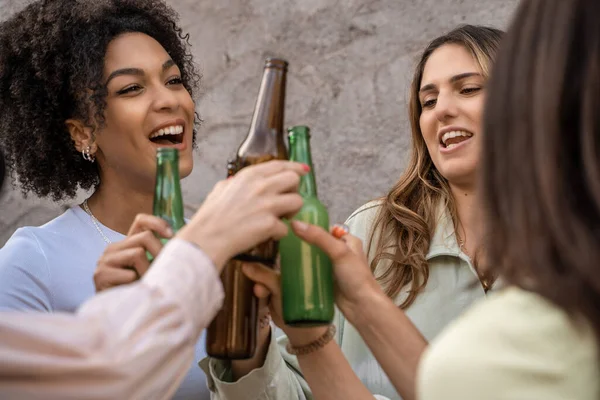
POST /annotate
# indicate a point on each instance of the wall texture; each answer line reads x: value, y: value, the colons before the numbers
x: 350, y: 66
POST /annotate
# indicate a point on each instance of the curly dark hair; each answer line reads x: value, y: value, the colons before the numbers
x: 51, y: 65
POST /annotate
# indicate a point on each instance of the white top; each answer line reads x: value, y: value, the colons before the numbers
x: 50, y: 268
x: 515, y: 346
x: 131, y: 342
x: 452, y: 287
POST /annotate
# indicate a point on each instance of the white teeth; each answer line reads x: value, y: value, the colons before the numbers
x: 453, y: 134
x: 170, y: 130
x: 451, y: 145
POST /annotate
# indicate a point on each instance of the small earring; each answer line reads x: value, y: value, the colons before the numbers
x: 87, y: 155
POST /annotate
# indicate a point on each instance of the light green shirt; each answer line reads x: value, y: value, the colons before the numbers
x: 452, y: 287
x: 514, y: 346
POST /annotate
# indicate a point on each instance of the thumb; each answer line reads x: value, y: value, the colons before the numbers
x: 336, y: 249
x: 267, y: 277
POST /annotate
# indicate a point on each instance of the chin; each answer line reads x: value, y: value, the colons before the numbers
x: 185, y: 167
x: 460, y: 174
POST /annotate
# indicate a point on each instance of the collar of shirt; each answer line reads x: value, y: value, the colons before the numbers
x: 443, y: 241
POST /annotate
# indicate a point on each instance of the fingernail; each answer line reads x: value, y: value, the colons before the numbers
x: 305, y: 167
x: 340, y: 230
x: 169, y: 232
x: 299, y: 225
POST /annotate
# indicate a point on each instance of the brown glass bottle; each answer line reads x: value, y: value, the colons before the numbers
x: 233, y: 332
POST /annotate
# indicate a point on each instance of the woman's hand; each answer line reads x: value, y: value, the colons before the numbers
x: 125, y: 261
x: 268, y: 290
x: 353, y: 278
x: 246, y: 210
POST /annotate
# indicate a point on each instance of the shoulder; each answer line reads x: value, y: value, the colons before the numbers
x: 38, y: 237
x: 515, y: 342
x: 361, y: 221
x: 366, y: 211
x: 22, y: 245
x: 24, y: 273
x: 66, y: 222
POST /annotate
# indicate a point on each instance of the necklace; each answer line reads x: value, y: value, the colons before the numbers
x: 95, y: 221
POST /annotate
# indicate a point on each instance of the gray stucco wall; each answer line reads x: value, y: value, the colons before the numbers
x: 350, y: 66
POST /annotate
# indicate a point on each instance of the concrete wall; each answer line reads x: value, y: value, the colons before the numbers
x: 350, y: 65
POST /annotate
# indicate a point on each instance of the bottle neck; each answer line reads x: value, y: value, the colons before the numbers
x: 266, y: 133
x: 168, y: 201
x: 300, y: 152
x: 270, y: 105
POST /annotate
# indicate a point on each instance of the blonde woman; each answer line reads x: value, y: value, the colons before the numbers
x: 422, y: 242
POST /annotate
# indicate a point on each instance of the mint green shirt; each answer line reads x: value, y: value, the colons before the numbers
x: 451, y: 289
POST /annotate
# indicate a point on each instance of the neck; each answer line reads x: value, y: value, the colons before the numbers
x: 469, y: 216
x: 116, y: 205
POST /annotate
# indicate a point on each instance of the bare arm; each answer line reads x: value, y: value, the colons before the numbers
x: 329, y: 374
x: 393, y: 339
x: 390, y: 335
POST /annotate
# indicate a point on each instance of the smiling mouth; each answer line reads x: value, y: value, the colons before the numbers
x: 454, y: 138
x: 169, y: 136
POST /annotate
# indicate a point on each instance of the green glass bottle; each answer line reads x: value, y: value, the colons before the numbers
x: 306, y: 271
x: 168, y: 202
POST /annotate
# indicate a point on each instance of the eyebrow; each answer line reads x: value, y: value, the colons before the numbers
x: 136, y: 71
x: 454, y: 79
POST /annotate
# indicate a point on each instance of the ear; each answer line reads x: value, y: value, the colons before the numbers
x: 81, y: 134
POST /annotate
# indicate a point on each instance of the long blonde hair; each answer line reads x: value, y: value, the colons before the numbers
x: 407, y: 218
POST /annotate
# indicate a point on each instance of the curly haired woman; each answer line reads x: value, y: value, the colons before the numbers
x: 88, y: 91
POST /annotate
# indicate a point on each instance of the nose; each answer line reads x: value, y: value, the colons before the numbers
x: 445, y: 107
x: 165, y: 99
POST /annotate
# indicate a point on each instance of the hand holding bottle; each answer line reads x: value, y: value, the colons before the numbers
x: 268, y: 290
x: 125, y: 261
x: 128, y: 260
x: 353, y: 278
x: 246, y: 209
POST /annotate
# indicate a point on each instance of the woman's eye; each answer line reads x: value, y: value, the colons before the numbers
x: 129, y: 89
x: 470, y: 90
x: 429, y: 103
x: 175, y: 81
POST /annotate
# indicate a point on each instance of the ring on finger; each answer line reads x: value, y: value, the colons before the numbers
x: 340, y: 230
